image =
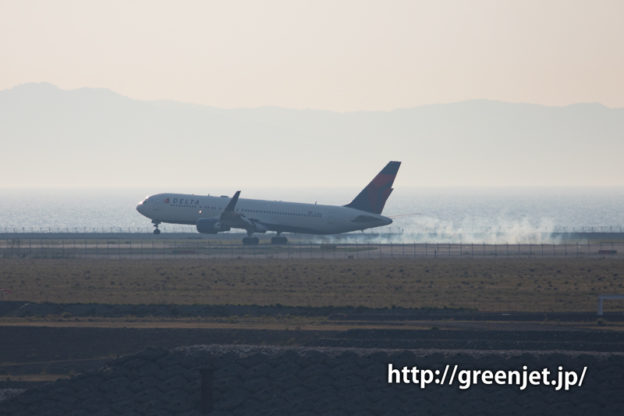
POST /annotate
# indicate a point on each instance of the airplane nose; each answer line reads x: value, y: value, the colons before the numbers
x: 139, y: 207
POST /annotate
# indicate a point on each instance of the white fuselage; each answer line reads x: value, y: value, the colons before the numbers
x: 268, y: 215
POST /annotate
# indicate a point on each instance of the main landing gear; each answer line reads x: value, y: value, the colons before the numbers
x: 251, y: 241
x: 279, y: 240
x: 156, y: 230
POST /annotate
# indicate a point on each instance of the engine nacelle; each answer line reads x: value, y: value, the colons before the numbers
x: 210, y: 226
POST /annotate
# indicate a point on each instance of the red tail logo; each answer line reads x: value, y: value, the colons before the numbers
x: 373, y: 198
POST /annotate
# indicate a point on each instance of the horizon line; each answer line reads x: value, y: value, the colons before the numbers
x: 278, y: 107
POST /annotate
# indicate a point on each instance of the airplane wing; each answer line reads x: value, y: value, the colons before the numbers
x: 229, y: 213
x: 234, y: 219
x: 230, y: 206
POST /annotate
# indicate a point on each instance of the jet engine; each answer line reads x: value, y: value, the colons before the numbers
x: 210, y: 226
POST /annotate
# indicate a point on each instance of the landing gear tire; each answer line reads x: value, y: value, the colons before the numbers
x: 251, y: 241
x: 278, y: 240
x: 156, y: 231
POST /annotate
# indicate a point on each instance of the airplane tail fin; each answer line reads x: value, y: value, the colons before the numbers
x: 374, y: 196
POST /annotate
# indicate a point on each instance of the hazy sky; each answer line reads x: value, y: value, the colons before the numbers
x: 337, y: 55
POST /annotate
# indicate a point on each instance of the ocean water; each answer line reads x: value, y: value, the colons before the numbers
x: 517, y: 215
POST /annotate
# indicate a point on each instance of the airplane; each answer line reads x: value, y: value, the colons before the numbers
x: 213, y: 214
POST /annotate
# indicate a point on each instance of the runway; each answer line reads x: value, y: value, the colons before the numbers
x: 181, y: 245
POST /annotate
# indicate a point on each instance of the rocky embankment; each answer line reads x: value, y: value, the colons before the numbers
x: 254, y: 380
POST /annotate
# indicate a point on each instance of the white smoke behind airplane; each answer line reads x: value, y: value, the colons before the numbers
x: 498, y: 230
x: 469, y: 230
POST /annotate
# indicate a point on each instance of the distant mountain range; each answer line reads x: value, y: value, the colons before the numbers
x: 95, y: 137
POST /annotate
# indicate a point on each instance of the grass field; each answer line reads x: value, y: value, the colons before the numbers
x: 486, y: 284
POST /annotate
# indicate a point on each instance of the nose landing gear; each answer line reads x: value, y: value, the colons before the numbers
x: 156, y: 230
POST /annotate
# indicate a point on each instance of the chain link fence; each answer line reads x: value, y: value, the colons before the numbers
x: 129, y: 246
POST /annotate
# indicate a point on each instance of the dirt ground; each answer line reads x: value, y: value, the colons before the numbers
x: 483, y: 284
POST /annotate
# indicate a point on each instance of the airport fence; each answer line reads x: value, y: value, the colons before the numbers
x: 138, y: 248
